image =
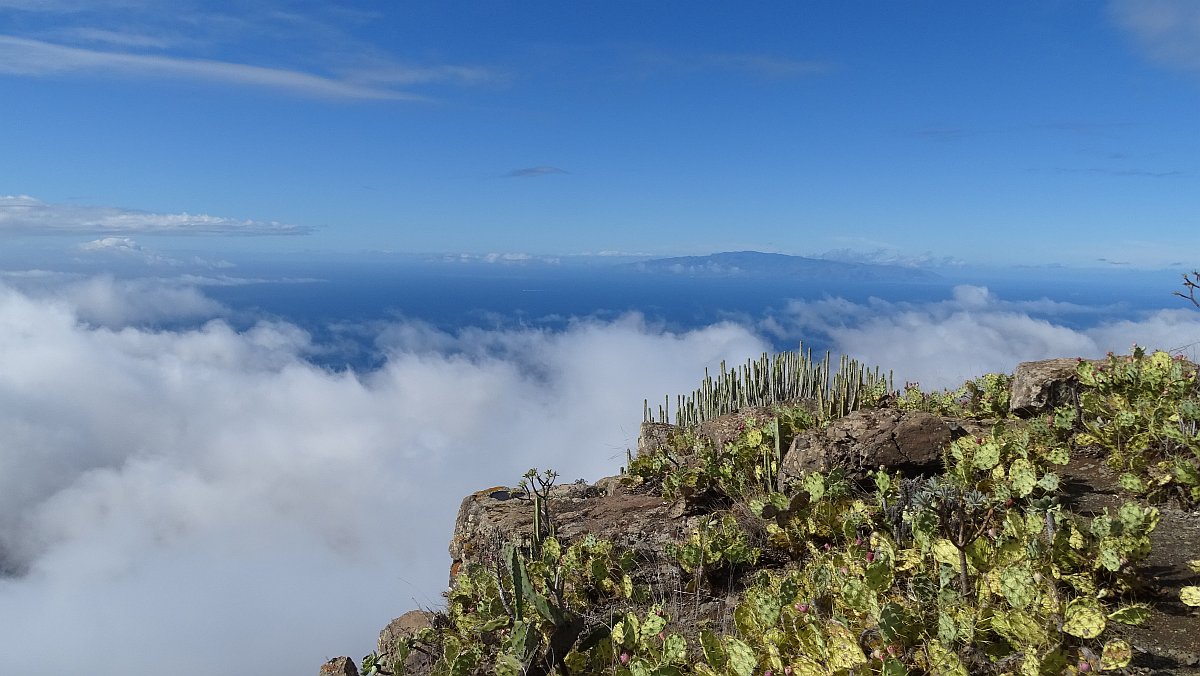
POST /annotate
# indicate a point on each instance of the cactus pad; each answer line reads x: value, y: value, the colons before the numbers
x: 741, y: 658
x: 1023, y: 477
x: 943, y: 662
x: 857, y: 595
x: 653, y: 624
x: 1083, y: 618
x: 1131, y: 614
x: 892, y: 622
x: 1058, y: 455
x: 1018, y: 586
x: 844, y: 651
x: 714, y: 650
x: 674, y: 649
x: 945, y: 552
x: 987, y: 455
x: 1117, y: 654
x: 1020, y: 627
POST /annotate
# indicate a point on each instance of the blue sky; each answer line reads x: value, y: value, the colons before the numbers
x: 1021, y: 132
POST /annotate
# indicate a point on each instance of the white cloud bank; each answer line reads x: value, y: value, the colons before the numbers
x: 941, y: 344
x: 207, y: 501
x: 22, y: 214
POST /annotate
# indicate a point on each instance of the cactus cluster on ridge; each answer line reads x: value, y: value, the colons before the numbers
x: 776, y: 379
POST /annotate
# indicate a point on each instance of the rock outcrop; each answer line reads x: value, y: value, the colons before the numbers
x: 909, y: 441
x: 634, y: 518
x: 607, y: 510
x: 656, y: 436
x: 408, y: 624
x: 339, y: 666
x: 1039, y: 386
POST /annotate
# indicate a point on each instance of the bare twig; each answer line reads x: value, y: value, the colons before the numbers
x: 1191, y: 283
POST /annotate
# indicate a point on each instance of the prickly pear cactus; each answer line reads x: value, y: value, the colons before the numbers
x: 1017, y: 585
x: 1023, y: 477
x: 1116, y: 655
x: 1083, y: 618
x: 742, y: 661
x: 943, y: 662
x: 1133, y: 614
x: 844, y: 651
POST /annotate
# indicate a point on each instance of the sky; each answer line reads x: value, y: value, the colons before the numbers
x: 1057, y: 132
x: 187, y: 484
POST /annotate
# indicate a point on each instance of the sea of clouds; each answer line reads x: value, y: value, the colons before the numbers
x: 206, y: 500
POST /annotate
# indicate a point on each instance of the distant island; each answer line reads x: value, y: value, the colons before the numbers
x: 759, y: 264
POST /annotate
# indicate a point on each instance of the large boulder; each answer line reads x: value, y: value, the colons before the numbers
x: 1040, y: 386
x: 608, y: 510
x: 909, y: 441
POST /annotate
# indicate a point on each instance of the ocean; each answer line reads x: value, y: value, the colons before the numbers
x: 338, y: 303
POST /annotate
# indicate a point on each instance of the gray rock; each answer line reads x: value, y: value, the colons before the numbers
x: 1040, y: 386
x: 488, y: 518
x: 727, y: 428
x: 399, y: 629
x: 339, y: 666
x: 654, y: 437
x: 909, y: 441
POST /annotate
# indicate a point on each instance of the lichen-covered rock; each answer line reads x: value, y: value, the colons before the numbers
x: 399, y: 629
x: 628, y: 518
x: 1039, y: 386
x: 727, y: 428
x: 654, y: 437
x: 339, y: 666
x: 908, y: 441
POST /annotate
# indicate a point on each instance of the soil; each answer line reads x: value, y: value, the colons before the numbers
x: 1169, y: 642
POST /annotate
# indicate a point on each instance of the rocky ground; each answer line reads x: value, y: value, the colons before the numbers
x: 1169, y: 642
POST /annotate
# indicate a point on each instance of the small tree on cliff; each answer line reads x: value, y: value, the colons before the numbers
x: 1191, y: 284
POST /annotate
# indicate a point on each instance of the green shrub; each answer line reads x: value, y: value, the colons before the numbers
x: 1143, y: 410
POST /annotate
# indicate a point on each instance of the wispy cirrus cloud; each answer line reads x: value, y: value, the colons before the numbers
x: 1136, y: 173
x: 1167, y: 31
x: 534, y: 172
x: 765, y: 66
x: 37, y: 58
x: 22, y: 214
x: 121, y: 38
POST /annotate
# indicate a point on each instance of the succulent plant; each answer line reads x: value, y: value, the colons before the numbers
x: 777, y: 379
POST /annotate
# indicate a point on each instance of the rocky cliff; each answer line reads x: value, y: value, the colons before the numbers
x: 982, y: 531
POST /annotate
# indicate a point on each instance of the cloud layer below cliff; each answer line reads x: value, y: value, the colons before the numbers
x: 940, y: 344
x: 207, y: 500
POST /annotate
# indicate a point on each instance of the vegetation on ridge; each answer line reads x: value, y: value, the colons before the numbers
x: 981, y: 569
x: 773, y: 380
